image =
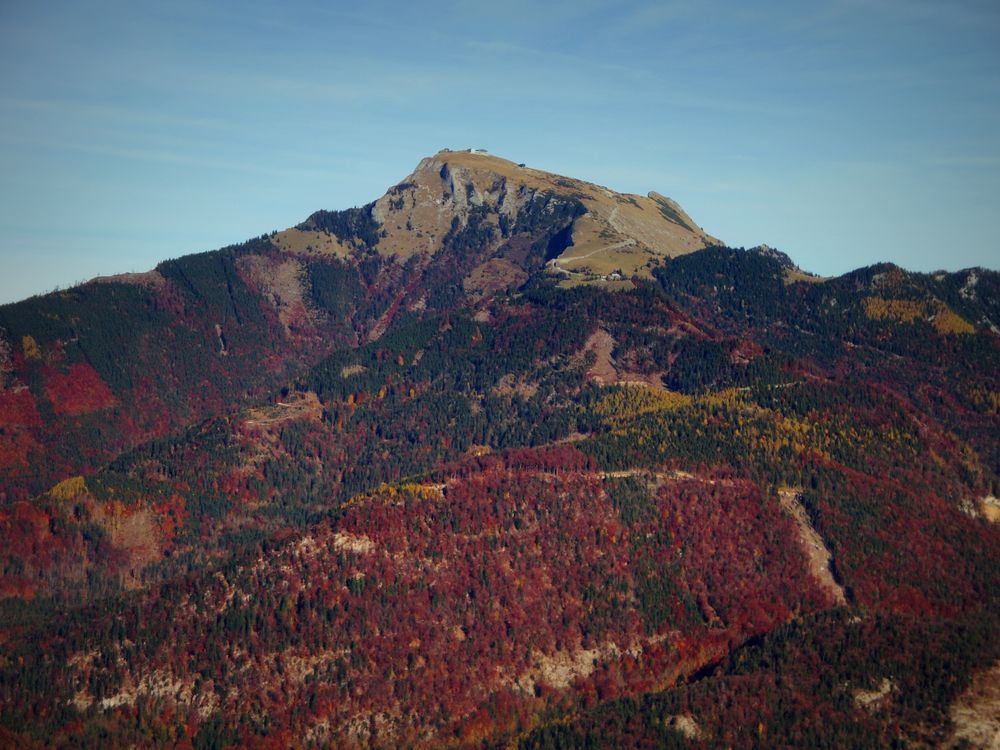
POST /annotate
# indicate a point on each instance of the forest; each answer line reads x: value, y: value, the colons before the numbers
x: 378, y: 523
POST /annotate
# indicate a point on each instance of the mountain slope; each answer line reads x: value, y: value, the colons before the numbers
x: 542, y: 515
x: 97, y: 369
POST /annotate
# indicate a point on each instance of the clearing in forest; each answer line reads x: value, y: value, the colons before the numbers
x: 812, y: 544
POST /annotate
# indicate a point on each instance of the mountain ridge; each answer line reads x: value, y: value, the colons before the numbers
x: 275, y: 288
x: 281, y: 495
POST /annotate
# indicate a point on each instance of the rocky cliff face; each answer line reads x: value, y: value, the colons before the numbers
x: 465, y: 225
x: 629, y: 232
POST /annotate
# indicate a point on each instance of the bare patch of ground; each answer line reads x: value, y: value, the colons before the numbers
x: 133, y: 531
x: 382, y: 324
x: 219, y: 335
x: 653, y: 479
x: 281, y: 284
x: 602, y: 344
x: 298, y: 242
x: 159, y: 684
x: 991, y: 508
x: 577, y: 280
x: 509, y: 385
x: 816, y: 552
x: 299, y: 667
x: 976, y: 713
x: 560, y: 669
x: 151, y: 279
x: 260, y: 430
x: 491, y: 277
x: 595, y: 241
x: 606, y: 371
x: 793, y: 275
x: 873, y: 700
x: 358, y: 543
x: 301, y: 406
x: 347, y: 370
x: 685, y: 724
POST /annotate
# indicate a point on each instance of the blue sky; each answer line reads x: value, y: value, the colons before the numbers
x: 842, y: 133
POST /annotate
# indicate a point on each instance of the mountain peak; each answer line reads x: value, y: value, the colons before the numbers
x: 613, y: 231
x: 607, y: 235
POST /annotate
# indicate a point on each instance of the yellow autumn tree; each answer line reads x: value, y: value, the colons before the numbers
x: 30, y: 347
x: 68, y: 489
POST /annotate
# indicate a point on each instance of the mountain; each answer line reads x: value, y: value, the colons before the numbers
x: 91, y: 371
x: 528, y: 463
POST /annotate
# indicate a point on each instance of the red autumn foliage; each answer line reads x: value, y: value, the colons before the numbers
x: 17, y: 408
x: 78, y: 391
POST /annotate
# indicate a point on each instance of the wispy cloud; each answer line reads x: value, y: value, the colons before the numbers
x: 980, y: 161
x: 968, y: 13
x: 647, y: 17
x: 77, y: 109
x: 521, y: 56
x: 173, y: 157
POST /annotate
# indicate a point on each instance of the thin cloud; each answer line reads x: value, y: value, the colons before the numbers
x: 981, y: 161
x: 508, y: 51
x: 78, y: 109
x: 171, y: 157
x: 957, y: 13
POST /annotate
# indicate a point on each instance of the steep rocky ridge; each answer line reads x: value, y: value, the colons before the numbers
x: 452, y: 190
x: 615, y: 228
